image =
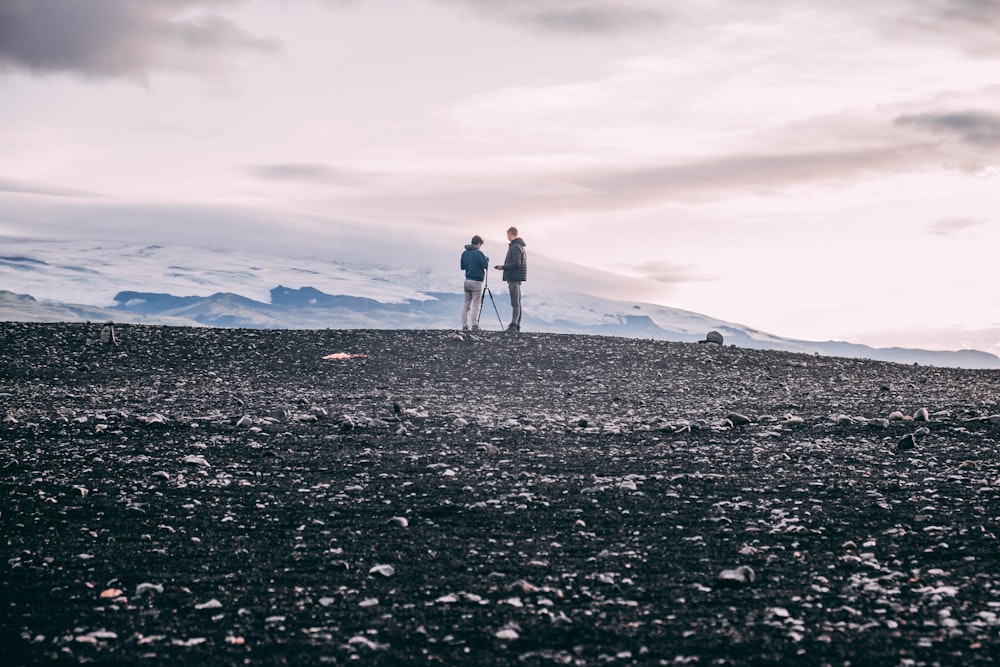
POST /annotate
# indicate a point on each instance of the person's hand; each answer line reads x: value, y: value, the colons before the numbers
x: 498, y: 267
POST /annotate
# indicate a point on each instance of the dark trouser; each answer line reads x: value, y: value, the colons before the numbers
x: 515, y: 304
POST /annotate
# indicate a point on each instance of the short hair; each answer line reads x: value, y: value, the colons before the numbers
x: 477, y: 239
x: 512, y: 230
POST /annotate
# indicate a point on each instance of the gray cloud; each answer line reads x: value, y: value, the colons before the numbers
x: 756, y: 173
x: 978, y: 128
x: 941, y: 16
x: 969, y: 26
x: 505, y: 196
x: 664, y: 272
x: 981, y: 12
x: 580, y: 17
x: 953, y: 226
x: 18, y: 186
x: 118, y: 38
x: 307, y: 173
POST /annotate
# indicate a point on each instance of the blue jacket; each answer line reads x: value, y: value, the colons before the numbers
x: 474, y: 263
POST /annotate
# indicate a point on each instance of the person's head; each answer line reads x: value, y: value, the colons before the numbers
x: 477, y: 240
x: 511, y: 233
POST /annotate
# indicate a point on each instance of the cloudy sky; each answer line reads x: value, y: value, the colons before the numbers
x: 814, y: 169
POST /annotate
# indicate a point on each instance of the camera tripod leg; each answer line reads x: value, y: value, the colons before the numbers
x: 482, y: 298
x: 495, y: 309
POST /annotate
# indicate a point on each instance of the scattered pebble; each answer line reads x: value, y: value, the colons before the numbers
x: 739, y: 576
x: 146, y: 588
x: 535, y: 523
x: 211, y: 604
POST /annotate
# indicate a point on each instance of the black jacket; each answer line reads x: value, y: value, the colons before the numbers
x: 515, y: 265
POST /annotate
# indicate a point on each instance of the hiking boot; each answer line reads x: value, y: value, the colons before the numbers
x: 475, y: 327
x: 465, y: 328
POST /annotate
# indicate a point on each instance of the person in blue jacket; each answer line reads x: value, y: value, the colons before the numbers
x: 475, y: 264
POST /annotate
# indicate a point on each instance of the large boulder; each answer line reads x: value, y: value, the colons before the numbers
x: 713, y: 337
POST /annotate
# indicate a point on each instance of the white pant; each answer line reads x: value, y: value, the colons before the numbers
x: 473, y: 300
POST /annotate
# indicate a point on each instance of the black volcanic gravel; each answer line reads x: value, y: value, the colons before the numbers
x: 229, y: 497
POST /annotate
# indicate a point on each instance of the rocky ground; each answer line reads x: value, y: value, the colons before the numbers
x: 230, y: 497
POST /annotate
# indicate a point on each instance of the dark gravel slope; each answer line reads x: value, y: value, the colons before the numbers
x: 229, y: 497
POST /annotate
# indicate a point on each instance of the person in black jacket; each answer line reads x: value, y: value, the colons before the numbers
x: 475, y: 264
x: 515, y: 272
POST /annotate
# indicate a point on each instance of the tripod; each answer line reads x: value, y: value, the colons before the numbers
x: 486, y: 290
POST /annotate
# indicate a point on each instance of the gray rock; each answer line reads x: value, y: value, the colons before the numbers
x: 144, y: 588
x: 384, y: 570
x: 211, y: 604
x: 713, y: 337
x: 736, y: 577
x: 922, y: 415
x: 908, y: 441
x: 155, y: 418
x: 108, y: 334
x: 738, y: 419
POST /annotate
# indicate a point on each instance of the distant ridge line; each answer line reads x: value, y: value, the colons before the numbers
x: 310, y: 308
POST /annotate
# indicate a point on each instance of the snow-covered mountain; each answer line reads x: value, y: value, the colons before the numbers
x: 80, y: 281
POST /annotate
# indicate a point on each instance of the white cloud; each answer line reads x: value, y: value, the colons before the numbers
x: 954, y: 226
